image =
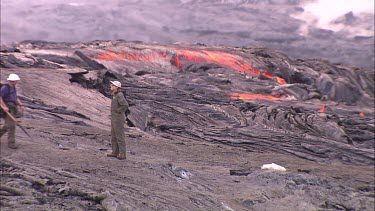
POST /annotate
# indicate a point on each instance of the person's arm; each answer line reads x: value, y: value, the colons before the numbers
x: 122, y: 103
x: 18, y: 102
x: 3, y: 105
x: 3, y: 92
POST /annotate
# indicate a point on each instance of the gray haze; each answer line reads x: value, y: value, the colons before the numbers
x: 283, y: 25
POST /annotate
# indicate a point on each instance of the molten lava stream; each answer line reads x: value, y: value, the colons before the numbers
x: 323, y: 109
x: 249, y: 96
x: 224, y: 59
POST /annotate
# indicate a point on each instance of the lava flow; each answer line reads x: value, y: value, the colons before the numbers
x: 223, y: 59
x: 249, y: 96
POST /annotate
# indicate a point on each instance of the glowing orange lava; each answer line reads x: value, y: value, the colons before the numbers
x: 253, y: 97
x: 280, y: 80
x: 232, y: 61
x: 323, y: 109
x: 224, y: 59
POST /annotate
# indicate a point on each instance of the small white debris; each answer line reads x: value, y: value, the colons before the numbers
x: 226, y: 207
x: 273, y: 166
x: 185, y: 174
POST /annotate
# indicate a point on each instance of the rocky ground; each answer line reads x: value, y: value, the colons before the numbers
x: 193, y: 141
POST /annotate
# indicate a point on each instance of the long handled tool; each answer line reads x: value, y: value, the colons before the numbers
x: 15, y: 120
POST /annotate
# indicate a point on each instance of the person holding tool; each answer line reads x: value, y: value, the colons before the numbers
x: 9, y: 102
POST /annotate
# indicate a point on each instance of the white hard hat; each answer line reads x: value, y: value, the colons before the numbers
x: 13, y: 77
x: 116, y: 83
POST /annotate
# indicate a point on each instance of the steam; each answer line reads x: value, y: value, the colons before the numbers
x: 339, y: 15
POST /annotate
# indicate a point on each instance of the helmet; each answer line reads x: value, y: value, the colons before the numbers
x: 13, y: 77
x: 116, y: 83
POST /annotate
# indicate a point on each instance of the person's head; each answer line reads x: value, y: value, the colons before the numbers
x: 13, y: 79
x: 115, y: 86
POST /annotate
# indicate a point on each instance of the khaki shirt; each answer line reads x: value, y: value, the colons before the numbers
x: 118, y: 106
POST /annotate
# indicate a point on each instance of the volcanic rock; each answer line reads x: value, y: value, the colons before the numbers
x: 199, y: 116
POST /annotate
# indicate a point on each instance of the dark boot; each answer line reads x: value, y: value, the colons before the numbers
x: 12, y: 146
x: 121, y: 156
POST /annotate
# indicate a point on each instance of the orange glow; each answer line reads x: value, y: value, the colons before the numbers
x: 268, y: 75
x: 253, y: 97
x: 231, y: 60
x: 323, y: 109
x: 280, y: 80
x: 224, y: 59
x: 361, y: 114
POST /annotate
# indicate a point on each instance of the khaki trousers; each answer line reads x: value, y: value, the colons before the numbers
x: 10, y: 127
x: 118, y: 136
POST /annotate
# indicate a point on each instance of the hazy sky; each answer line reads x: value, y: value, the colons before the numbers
x: 58, y: 20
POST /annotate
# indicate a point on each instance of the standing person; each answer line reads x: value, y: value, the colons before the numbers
x: 9, y: 102
x: 118, y: 107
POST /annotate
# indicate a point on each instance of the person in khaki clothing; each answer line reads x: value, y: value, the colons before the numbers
x: 9, y: 102
x: 118, y: 107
